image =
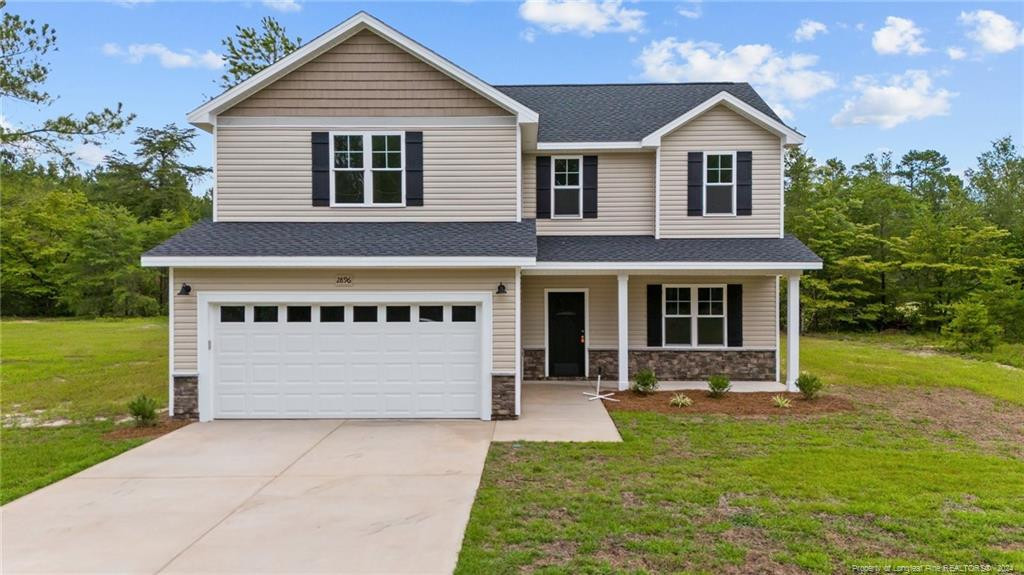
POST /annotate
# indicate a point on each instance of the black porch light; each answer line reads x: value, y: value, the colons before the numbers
x: 185, y: 289
x: 502, y: 290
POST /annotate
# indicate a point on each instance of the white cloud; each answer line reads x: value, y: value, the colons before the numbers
x: 992, y: 31
x: 283, y: 5
x: 956, y: 53
x: 781, y: 79
x: 808, y: 29
x: 905, y: 97
x: 691, y: 10
x: 131, y: 3
x: 585, y: 17
x: 898, y: 36
x: 136, y: 53
x: 90, y: 155
x: 528, y: 35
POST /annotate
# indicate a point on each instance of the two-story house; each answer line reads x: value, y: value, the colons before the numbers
x: 394, y: 237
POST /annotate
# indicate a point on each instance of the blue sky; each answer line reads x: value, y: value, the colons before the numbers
x: 854, y: 77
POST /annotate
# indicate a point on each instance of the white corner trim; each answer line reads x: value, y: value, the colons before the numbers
x: 170, y: 342
x: 332, y: 262
x: 518, y: 342
x: 206, y: 299
x: 657, y: 193
x: 789, y: 135
x: 782, y: 188
x: 213, y: 194
x: 519, y: 175
x: 622, y: 328
x: 205, y: 115
x: 722, y: 266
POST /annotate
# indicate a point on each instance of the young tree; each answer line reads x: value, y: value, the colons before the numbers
x: 23, y: 72
x: 998, y: 184
x: 251, y: 50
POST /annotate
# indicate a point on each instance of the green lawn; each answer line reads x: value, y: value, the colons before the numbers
x: 860, y: 362
x: 919, y: 474
x: 81, y: 369
x: 1011, y: 354
x: 73, y: 370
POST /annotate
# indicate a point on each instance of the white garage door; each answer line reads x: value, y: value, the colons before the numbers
x: 334, y: 360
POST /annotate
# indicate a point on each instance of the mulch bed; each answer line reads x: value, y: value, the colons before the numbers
x: 733, y: 403
x: 163, y: 425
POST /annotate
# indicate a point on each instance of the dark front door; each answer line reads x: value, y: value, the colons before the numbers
x: 566, y: 337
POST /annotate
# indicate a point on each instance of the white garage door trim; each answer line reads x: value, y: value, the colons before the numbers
x: 208, y: 300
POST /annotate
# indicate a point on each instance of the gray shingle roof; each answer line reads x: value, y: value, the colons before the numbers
x: 619, y: 112
x: 330, y: 239
x: 648, y: 249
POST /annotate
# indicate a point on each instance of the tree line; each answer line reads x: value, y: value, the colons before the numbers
x: 907, y: 244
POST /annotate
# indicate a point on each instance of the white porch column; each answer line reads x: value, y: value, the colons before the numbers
x: 623, y: 331
x: 792, y: 332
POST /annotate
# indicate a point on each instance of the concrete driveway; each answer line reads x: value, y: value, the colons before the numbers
x: 261, y: 497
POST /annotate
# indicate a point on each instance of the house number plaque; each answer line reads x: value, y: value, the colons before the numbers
x: 343, y: 281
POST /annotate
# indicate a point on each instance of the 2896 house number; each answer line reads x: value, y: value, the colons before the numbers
x: 343, y: 281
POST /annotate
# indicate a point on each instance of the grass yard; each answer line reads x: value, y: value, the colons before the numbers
x: 64, y: 384
x: 929, y: 473
x: 862, y: 362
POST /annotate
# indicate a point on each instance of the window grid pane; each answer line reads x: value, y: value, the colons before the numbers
x: 332, y: 313
x: 348, y: 152
x: 431, y: 313
x: 264, y: 313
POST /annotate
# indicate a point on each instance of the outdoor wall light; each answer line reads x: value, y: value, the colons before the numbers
x: 185, y: 289
x: 502, y: 290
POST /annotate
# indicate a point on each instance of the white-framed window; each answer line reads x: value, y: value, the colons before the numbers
x: 694, y: 316
x: 719, y: 183
x: 367, y: 169
x: 567, y: 187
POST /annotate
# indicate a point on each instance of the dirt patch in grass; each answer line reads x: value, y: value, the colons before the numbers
x: 990, y: 422
x: 743, y: 404
x: 164, y: 425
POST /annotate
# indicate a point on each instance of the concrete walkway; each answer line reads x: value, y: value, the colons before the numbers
x: 558, y: 412
x: 260, y: 497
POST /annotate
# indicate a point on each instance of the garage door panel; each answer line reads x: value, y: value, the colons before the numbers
x: 346, y: 369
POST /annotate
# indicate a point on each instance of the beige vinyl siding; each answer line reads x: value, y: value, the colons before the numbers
x: 602, y: 304
x: 758, y: 306
x: 264, y: 173
x: 721, y: 129
x: 315, y: 280
x: 366, y: 76
x: 625, y: 197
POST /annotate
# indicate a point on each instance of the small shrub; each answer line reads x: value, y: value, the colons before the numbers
x: 809, y: 385
x: 971, y: 329
x: 680, y: 400
x: 645, y: 383
x: 718, y: 385
x: 781, y: 401
x: 143, y: 409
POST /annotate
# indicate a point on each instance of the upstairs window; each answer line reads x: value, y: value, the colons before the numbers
x: 567, y: 191
x: 720, y: 184
x: 367, y: 169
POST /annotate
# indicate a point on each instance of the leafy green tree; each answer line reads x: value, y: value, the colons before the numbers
x: 970, y: 329
x: 998, y: 185
x: 157, y: 180
x: 251, y: 50
x: 23, y: 71
x: 926, y: 176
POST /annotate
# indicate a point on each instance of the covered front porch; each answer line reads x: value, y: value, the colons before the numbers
x: 683, y: 308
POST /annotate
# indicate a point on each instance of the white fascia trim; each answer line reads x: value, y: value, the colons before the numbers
x: 573, y: 146
x: 366, y: 121
x: 789, y: 135
x: 722, y: 266
x: 204, y: 116
x: 334, y: 262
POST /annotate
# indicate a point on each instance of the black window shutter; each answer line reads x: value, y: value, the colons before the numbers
x: 589, y: 186
x: 321, y: 169
x: 414, y: 168
x: 734, y: 314
x: 654, y: 315
x: 695, y: 184
x: 543, y: 187
x: 744, y: 183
